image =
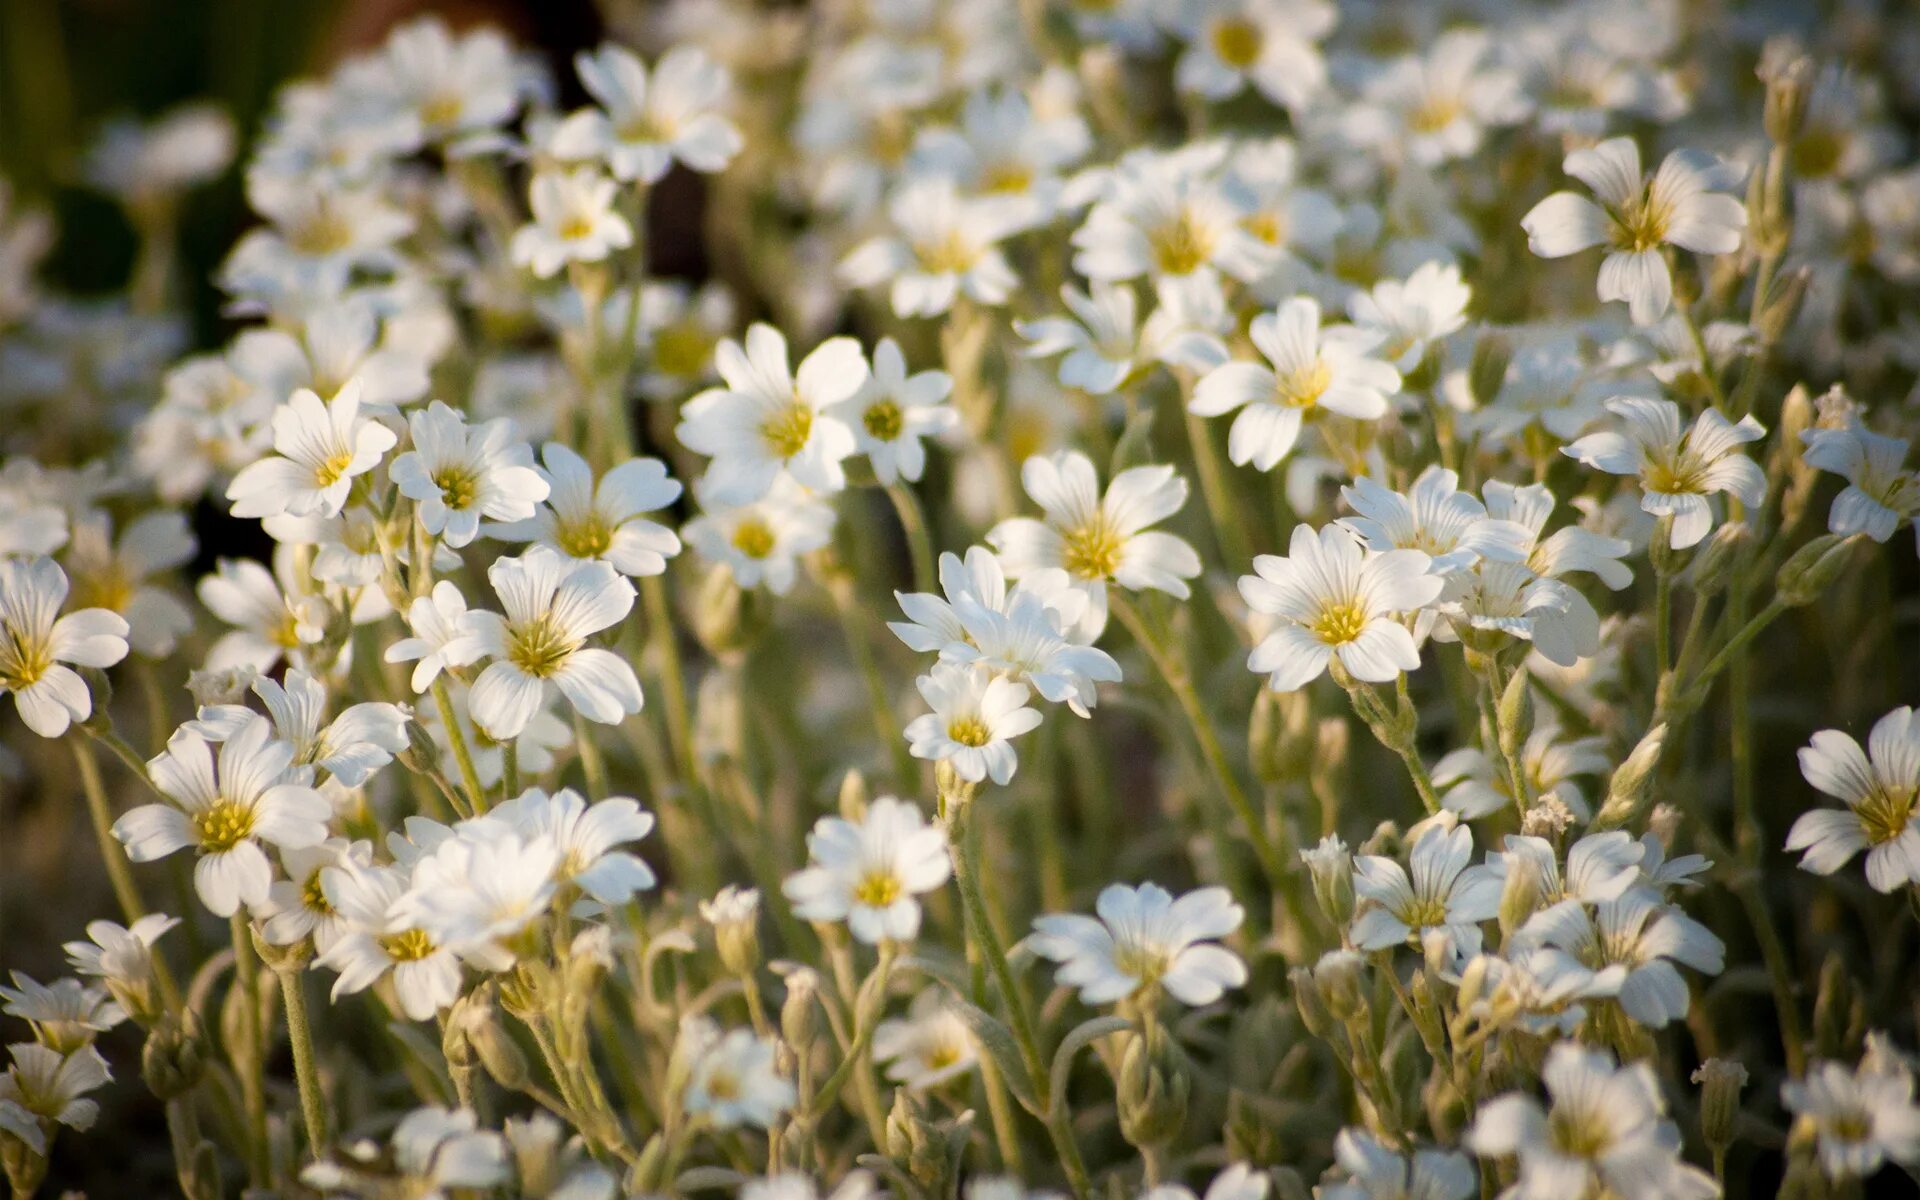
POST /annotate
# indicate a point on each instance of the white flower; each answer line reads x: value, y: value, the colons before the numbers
x: 225, y: 813
x: 770, y: 421
x: 121, y: 955
x: 1444, y: 893
x: 115, y: 574
x: 1166, y: 215
x: 1006, y: 149
x: 66, y: 1014
x: 584, y: 520
x: 946, y: 246
x: 1570, y: 550
x: 40, y: 643
x: 761, y: 543
x: 321, y: 448
x: 1336, y: 600
x: 1100, y: 341
x: 456, y: 474
x: 276, y: 616
x: 1414, y: 316
x: 441, y: 1151
x: 792, y: 1185
x: 1145, y: 938
x: 1312, y: 370
x: 1240, y: 1181
x: 443, y: 637
x: 573, y: 221
x: 1860, y: 1118
x: 732, y: 1078
x: 1376, y: 1171
x: 1507, y: 599
x: 1268, y: 43
x: 297, y: 907
x: 646, y: 123
x: 552, y: 606
x: 381, y: 938
x: 1096, y: 538
x: 1685, y: 204
x: 1878, y: 787
x: 1881, y: 493
x: 358, y: 742
x: 144, y: 164
x: 1642, y: 935
x: 437, y: 86
x: 480, y: 889
x: 867, y: 873
x: 1605, y: 1130
x: 1434, y: 107
x: 1475, y: 786
x: 892, y: 411
x: 975, y: 713
x: 45, y: 1084
x: 552, y: 1165
x: 928, y: 1047
x: 1678, y: 469
x: 1434, y: 517
x: 587, y: 836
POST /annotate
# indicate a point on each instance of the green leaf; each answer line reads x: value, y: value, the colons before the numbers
x: 994, y: 1037
x: 1082, y: 1036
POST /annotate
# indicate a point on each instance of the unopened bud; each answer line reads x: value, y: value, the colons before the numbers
x: 495, y: 1047
x: 1835, y: 1011
x: 1783, y: 304
x: 1720, y: 1082
x: 1152, y: 1089
x: 1515, y: 714
x: 1788, y: 76
x: 800, y: 1013
x: 422, y: 755
x: 1331, y: 868
x: 1725, y: 552
x: 1492, y: 353
x: 1632, y: 784
x: 734, y: 913
x: 727, y: 618
x: 854, y: 795
x: 916, y: 1143
x: 1812, y: 569
x: 1339, y: 976
x: 173, y: 1058
x: 1520, y: 895
x: 1309, y: 1003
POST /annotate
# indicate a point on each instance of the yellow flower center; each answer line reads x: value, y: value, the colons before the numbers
x: 1180, y: 247
x: 787, y: 431
x: 1144, y: 963
x: 1270, y: 226
x: 23, y: 660
x: 753, y: 538
x: 943, y: 1056
x: 589, y: 536
x: 878, y: 889
x: 1884, y: 813
x: 108, y: 587
x: 1303, y: 387
x: 314, y: 896
x: 286, y: 633
x: 642, y: 127
x: 723, y: 1085
x: 575, y: 228
x: 223, y: 825
x: 324, y: 232
x: 952, y: 254
x: 1674, y: 474
x: 883, y: 420
x: 411, y: 946
x: 330, y: 471
x: 1093, y: 550
x: 459, y: 486
x: 1339, y: 622
x: 1816, y: 152
x: 1641, y: 225
x: 1007, y: 178
x: 1577, y: 1135
x: 1237, y: 41
x: 539, y: 647
x: 1434, y: 113
x: 441, y: 109
x: 970, y: 731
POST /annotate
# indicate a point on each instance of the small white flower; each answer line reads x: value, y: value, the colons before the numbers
x: 440, y: 1150
x: 1878, y: 787
x: 868, y: 872
x: 320, y: 447
x: 1474, y: 785
x: 975, y: 714
x: 66, y: 1014
x: 1375, y: 1171
x: 355, y: 744
x: 946, y: 246
x: 761, y: 543
x: 1098, y: 538
x: 1241, y: 1181
x: 584, y: 520
x: 1099, y: 341
x: 553, y: 605
x: 115, y: 574
x: 587, y: 836
x: 438, y: 86
x: 456, y: 474
x: 1434, y: 517
x: 1504, y: 599
x: 1639, y: 933
x: 49, y: 1088
x: 381, y: 938
x: 297, y: 907
x: 770, y: 421
x: 929, y: 1047
x: 1678, y: 469
x: 732, y: 1078
x: 1685, y: 204
x: 225, y: 813
x: 477, y: 891
x: 1312, y: 370
x: 1144, y: 938
x: 39, y: 643
x: 1334, y: 600
x: 1430, y: 108
x: 122, y: 955
x: 892, y: 411
x: 442, y: 635
x: 573, y: 221
x: 648, y: 121
x: 1881, y: 494
x: 277, y: 616
x: 1268, y: 43
x: 1414, y: 316
x: 1167, y: 215
x: 1604, y: 1130
x: 1861, y: 1118
x: 1443, y: 893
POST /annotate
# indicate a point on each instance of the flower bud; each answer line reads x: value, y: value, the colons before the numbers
x: 1720, y: 1082
x: 916, y: 1143
x: 173, y: 1058
x: 422, y: 755
x: 1520, y: 895
x: 1310, y: 1004
x: 1725, y: 552
x: 727, y: 618
x: 1339, y: 978
x: 1331, y: 868
x: 1515, y: 714
x: 719, y: 718
x: 1152, y: 1089
x: 26, y: 1165
x: 1788, y: 75
x: 800, y: 1013
x: 1838, y: 1016
x: 854, y: 795
x: 1488, y: 372
x: 1812, y: 569
x: 495, y: 1047
x: 1632, y: 783
x: 734, y: 913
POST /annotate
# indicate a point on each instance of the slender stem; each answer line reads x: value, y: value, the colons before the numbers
x: 313, y: 1105
x: 509, y: 770
x: 1228, y: 533
x: 653, y: 594
x: 469, y: 778
x: 248, y: 1061
x: 592, y: 762
x: 1174, y: 673
x: 1662, y: 621
x: 966, y: 873
x: 119, y: 873
x: 913, y: 521
x: 112, y: 740
x: 1516, y: 774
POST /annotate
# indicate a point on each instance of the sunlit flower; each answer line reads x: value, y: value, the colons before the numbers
x: 40, y: 643
x: 1878, y: 787
x: 1678, y: 468
x: 457, y: 474
x: 553, y: 605
x: 867, y: 872
x: 573, y: 221
x: 320, y: 447
x: 1145, y: 938
x: 975, y: 713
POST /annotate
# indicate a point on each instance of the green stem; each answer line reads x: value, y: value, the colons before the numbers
x: 913, y: 521
x: 653, y: 594
x: 112, y: 853
x: 1228, y: 533
x: 592, y: 762
x: 248, y: 1058
x: 509, y: 771
x: 469, y: 778
x: 313, y: 1105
